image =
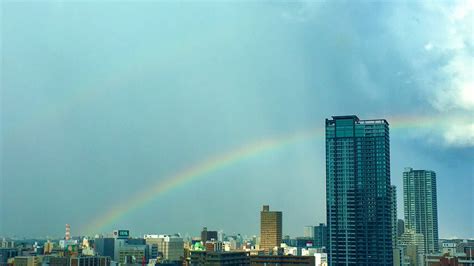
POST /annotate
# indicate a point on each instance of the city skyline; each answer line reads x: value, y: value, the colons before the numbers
x: 124, y: 115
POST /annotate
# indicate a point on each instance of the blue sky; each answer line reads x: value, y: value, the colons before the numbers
x: 99, y: 100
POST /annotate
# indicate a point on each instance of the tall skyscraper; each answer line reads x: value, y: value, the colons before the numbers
x: 358, y: 203
x: 420, y: 205
x: 270, y: 229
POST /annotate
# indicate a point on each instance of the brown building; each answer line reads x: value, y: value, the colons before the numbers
x: 80, y: 261
x: 270, y: 229
x: 281, y: 260
x: 446, y: 260
x: 208, y: 235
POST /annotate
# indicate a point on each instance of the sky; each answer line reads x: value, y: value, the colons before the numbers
x: 102, y: 101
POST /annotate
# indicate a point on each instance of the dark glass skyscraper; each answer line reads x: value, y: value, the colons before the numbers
x: 358, y: 203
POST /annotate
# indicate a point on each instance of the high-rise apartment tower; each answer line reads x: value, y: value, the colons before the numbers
x: 420, y: 205
x: 359, y: 203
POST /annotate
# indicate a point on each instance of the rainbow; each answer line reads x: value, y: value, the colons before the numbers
x: 200, y: 170
x: 230, y: 158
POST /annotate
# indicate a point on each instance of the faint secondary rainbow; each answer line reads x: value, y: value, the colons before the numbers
x: 199, y: 170
x: 227, y: 159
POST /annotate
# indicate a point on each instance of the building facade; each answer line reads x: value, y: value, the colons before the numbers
x: 171, y: 247
x: 198, y: 258
x: 270, y: 229
x: 208, y: 235
x: 358, y: 203
x: 321, y: 236
x: 393, y: 197
x: 282, y: 260
x: 132, y: 254
x: 412, y: 245
x: 420, y: 205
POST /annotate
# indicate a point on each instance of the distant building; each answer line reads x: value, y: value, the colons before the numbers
x: 48, y: 247
x: 26, y: 261
x: 420, y: 205
x: 208, y: 235
x: 80, y: 261
x: 358, y: 191
x: 215, y: 246
x: 466, y: 246
x: 199, y: 258
x: 170, y: 246
x: 449, y: 260
x: 413, y: 247
x: 449, y: 248
x: 321, y: 236
x: 270, y: 229
x: 393, y: 200
x: 132, y: 254
x: 309, y: 231
x: 105, y: 246
x: 281, y: 260
x: 7, y: 253
x: 321, y: 259
x: 400, y: 227
x: 7, y: 243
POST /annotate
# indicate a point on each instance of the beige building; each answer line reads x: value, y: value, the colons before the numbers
x: 412, y: 244
x: 132, y: 253
x: 171, y: 246
x: 25, y: 261
x: 270, y: 229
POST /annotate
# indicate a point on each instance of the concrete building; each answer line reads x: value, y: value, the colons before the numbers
x: 26, y: 261
x: 208, y: 235
x: 214, y: 246
x: 281, y: 260
x: 105, y: 246
x: 132, y: 254
x: 171, y: 247
x: 6, y: 254
x: 308, y: 231
x: 80, y: 261
x: 413, y: 247
x: 420, y: 205
x: 393, y: 197
x: 321, y: 236
x: 270, y: 229
x: 199, y: 258
x: 321, y: 259
x: 48, y: 247
x: 449, y: 260
x: 7, y: 243
x: 358, y: 191
x: 400, y: 227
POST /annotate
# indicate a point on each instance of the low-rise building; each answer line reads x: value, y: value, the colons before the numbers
x: 281, y: 260
x: 25, y: 261
x: 458, y: 259
x: 6, y: 254
x: 219, y: 258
